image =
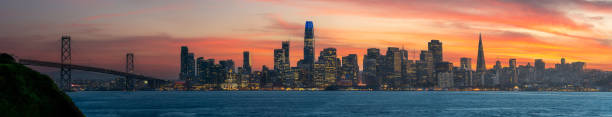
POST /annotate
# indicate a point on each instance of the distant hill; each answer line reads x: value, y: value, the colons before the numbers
x: 27, y: 93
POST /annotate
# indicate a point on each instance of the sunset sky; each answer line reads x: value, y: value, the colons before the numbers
x: 103, y: 31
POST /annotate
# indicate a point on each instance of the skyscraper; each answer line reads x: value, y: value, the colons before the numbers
x: 539, y: 67
x: 279, y: 59
x: 184, y: 54
x: 285, y: 47
x: 307, y: 64
x: 370, y: 68
x: 466, y: 63
x: 187, y: 64
x: 426, y: 59
x: 309, y: 43
x: 350, y: 68
x: 190, y: 67
x: 480, y: 62
x: 328, y: 68
x: 513, y: 69
x: 435, y: 47
x: 481, y: 67
x: 200, y: 70
x: 426, y: 69
x: 392, y: 67
x: 246, y: 58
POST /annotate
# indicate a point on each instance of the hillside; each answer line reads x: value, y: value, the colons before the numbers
x: 27, y: 93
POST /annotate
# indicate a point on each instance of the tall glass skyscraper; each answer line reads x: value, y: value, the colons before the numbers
x: 309, y: 43
x: 285, y: 46
x: 187, y: 64
x: 246, y: 64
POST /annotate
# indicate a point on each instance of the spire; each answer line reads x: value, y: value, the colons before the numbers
x: 480, y: 66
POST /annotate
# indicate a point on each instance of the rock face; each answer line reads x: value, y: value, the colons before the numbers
x: 27, y: 93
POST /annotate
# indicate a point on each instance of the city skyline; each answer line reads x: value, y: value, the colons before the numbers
x: 100, y: 40
x: 391, y: 71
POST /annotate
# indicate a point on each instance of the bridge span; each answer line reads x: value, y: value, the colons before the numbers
x: 91, y: 69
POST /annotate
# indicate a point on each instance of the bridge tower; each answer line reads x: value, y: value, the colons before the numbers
x: 129, y: 63
x: 129, y: 68
x: 66, y: 60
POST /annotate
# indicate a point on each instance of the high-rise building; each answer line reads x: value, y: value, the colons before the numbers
x: 187, y: 65
x: 466, y: 63
x: 408, y: 69
x: 539, y: 67
x: 392, y: 68
x: 445, y: 79
x: 498, y: 65
x: 246, y: 65
x: 435, y: 47
x: 426, y: 69
x: 184, y: 54
x: 307, y: 64
x: 426, y: 58
x: 309, y: 43
x: 285, y: 47
x: 191, y: 66
x: 350, y: 68
x: 207, y: 70
x: 480, y: 62
x: 393, y: 60
x: 514, y: 71
x: 200, y: 70
x: 227, y: 77
x: 371, y: 68
x: 327, y: 68
x: 279, y: 59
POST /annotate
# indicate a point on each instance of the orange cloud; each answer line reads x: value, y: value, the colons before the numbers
x: 137, y: 12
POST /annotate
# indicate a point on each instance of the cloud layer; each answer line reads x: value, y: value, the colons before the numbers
x: 104, y: 32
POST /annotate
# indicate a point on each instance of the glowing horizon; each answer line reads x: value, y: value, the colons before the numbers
x: 104, y: 31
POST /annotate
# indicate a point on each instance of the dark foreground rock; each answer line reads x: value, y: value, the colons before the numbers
x: 27, y: 93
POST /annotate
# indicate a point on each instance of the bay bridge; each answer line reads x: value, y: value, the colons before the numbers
x: 66, y: 67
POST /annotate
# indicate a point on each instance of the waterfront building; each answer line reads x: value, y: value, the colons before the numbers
x: 426, y: 69
x: 371, y: 68
x: 445, y: 79
x: 350, y: 69
x: 328, y: 66
x: 392, y: 68
x: 187, y: 72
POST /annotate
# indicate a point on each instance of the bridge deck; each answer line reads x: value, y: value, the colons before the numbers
x: 86, y: 68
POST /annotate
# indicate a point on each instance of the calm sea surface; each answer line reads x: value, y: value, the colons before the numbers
x: 341, y: 103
